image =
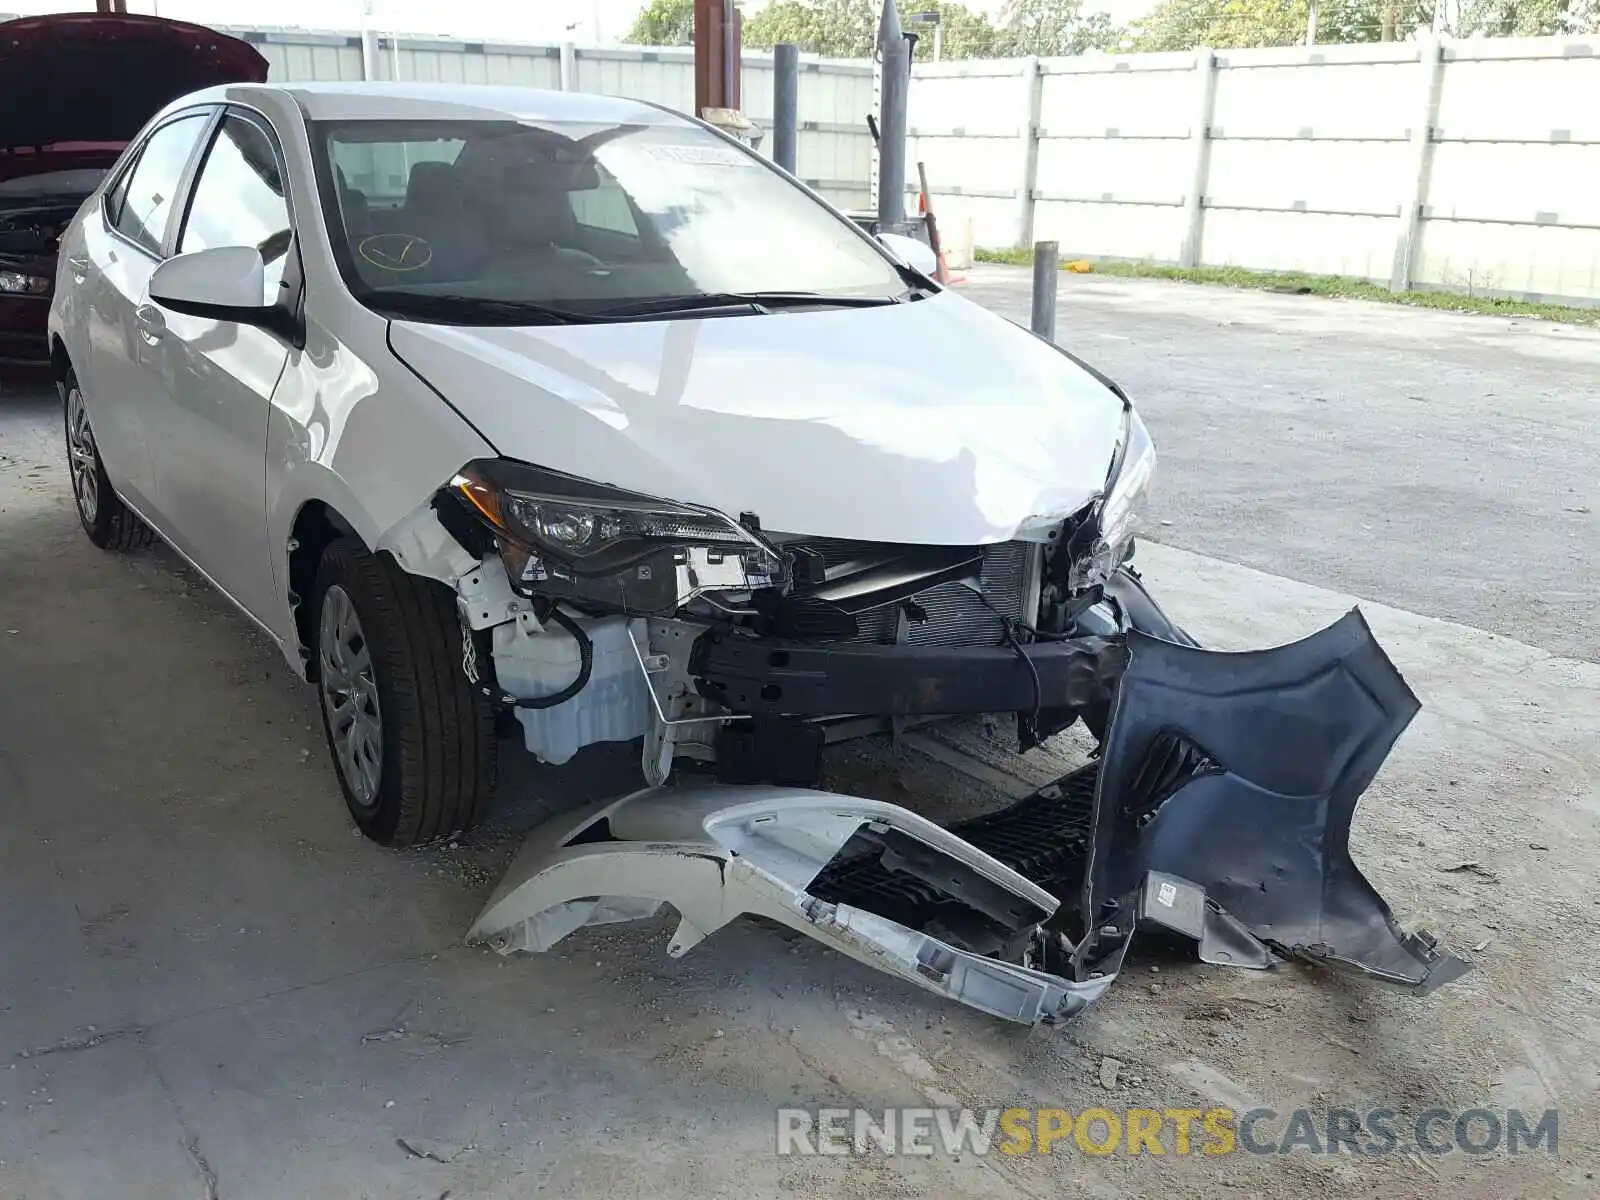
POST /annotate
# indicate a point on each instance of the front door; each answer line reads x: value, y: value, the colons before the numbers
x: 217, y: 377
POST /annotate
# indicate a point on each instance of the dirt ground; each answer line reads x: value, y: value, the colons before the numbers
x: 210, y: 988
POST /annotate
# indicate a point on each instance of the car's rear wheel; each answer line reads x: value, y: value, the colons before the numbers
x: 109, y: 522
x: 412, y: 741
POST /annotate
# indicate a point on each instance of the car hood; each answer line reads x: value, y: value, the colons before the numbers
x: 934, y: 422
x: 86, y: 77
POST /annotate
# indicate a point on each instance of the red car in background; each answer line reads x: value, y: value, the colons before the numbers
x: 74, y: 90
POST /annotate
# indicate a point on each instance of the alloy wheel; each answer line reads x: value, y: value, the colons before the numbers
x: 82, y: 458
x: 350, y: 696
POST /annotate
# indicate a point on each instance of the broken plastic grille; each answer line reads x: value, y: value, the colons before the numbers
x: 1044, y: 837
x: 957, y: 615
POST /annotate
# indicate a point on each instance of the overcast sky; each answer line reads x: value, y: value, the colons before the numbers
x: 529, y: 20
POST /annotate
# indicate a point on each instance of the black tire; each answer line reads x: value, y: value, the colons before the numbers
x: 109, y: 522
x: 438, y: 758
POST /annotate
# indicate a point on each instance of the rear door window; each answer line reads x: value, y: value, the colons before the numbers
x: 119, y: 192
x: 152, y: 185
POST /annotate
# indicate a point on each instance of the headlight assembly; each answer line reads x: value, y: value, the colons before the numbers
x: 15, y: 283
x: 1125, y: 498
x: 1128, y: 487
x: 567, y: 537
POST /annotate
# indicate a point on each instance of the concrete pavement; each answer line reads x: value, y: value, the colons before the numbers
x: 210, y: 988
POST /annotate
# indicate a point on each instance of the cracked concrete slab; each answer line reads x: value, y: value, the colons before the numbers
x: 94, y: 1122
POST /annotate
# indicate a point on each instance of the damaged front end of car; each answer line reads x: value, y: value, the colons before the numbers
x: 1217, y: 807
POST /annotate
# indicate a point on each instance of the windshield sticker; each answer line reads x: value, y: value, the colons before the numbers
x: 395, y: 251
x: 702, y: 156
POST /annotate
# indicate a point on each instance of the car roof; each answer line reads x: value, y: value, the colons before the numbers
x: 446, y: 101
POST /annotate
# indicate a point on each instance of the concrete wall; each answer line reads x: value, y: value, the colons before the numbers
x: 1471, y: 165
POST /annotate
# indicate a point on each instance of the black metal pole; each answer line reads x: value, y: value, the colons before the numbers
x: 785, y: 104
x: 1046, y: 274
x: 892, y: 121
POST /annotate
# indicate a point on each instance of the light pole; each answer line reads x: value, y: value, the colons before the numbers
x: 930, y: 18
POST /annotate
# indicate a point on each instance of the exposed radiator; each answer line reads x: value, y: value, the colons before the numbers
x: 958, y: 615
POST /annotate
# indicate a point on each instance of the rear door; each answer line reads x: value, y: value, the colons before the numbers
x: 217, y: 377
x: 120, y: 252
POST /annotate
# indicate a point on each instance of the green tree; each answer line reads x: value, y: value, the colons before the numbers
x: 849, y: 28
x: 1053, y: 27
x: 1528, y: 18
x: 966, y: 34
x: 1185, y: 24
x: 836, y: 28
x: 664, y: 23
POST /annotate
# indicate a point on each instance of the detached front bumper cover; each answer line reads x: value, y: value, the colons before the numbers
x: 1220, y: 809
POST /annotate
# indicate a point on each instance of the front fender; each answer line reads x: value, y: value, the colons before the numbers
x: 373, y: 451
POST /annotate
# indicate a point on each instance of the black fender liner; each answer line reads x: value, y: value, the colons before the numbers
x: 1241, y: 772
x: 1127, y: 588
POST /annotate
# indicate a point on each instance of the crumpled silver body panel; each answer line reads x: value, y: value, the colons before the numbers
x: 717, y: 852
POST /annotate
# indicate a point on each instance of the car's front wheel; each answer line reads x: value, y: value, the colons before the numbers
x: 110, y: 523
x: 413, y: 743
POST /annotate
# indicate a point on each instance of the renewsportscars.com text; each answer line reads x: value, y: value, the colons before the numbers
x: 1211, y: 1132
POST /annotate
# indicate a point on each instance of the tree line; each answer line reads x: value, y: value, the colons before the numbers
x: 847, y: 28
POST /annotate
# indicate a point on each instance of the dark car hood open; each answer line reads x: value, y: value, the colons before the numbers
x: 85, y: 77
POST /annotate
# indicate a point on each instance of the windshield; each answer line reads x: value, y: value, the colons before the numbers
x: 579, y: 218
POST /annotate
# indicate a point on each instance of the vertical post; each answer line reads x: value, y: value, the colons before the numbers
x: 892, y: 121
x: 1046, y: 274
x: 730, y: 56
x: 785, y: 104
x: 707, y: 55
x: 1028, y: 149
x: 569, y: 67
x: 1430, y: 58
x: 1311, y: 23
x: 1194, y: 204
x: 938, y: 42
x: 716, y: 55
x: 875, y: 164
x: 733, y: 85
x: 369, y: 54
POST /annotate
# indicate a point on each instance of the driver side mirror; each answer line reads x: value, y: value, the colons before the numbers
x: 226, y: 283
x: 916, y: 255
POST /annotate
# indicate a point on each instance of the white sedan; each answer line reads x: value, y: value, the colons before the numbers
x: 492, y: 403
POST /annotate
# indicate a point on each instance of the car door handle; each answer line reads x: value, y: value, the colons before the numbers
x: 79, y: 266
x: 152, y: 325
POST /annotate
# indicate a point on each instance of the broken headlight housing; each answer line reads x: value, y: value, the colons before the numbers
x: 565, y: 537
x: 1133, y: 469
